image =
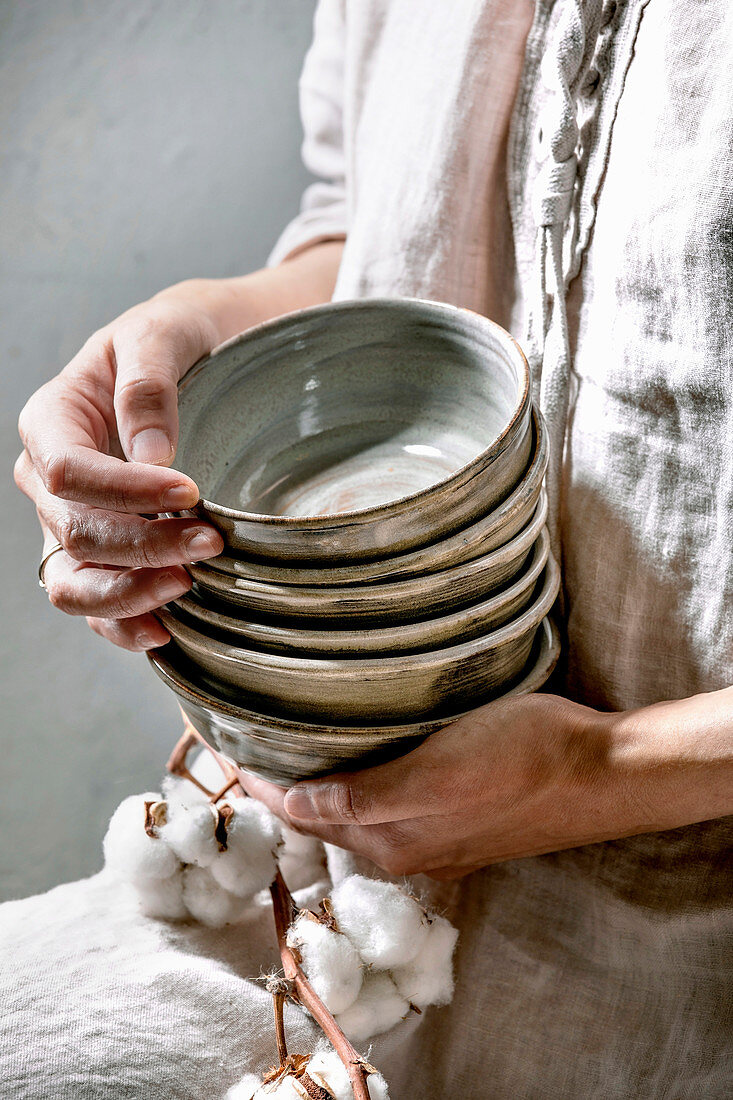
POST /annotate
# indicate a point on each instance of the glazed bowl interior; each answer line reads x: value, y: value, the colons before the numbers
x: 489, y: 532
x: 346, y: 407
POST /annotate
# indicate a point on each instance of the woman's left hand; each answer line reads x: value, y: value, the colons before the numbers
x: 519, y: 777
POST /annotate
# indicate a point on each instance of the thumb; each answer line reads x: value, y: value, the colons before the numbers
x: 388, y: 792
x: 153, y: 349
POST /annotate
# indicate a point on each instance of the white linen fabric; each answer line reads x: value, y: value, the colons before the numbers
x: 604, y: 971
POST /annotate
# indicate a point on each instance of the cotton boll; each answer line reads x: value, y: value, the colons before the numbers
x: 245, y: 1089
x: 428, y: 978
x: 301, y: 859
x: 191, y: 832
x: 127, y: 847
x: 331, y: 962
x: 208, y: 902
x: 287, y: 1088
x: 248, y: 864
x: 379, y: 1006
x: 307, y: 848
x: 179, y: 793
x: 327, y: 1069
x: 386, y: 926
x: 162, y: 898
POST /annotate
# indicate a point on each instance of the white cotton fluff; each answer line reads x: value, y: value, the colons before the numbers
x: 285, y: 1089
x: 428, y: 978
x: 379, y: 1006
x: 327, y: 1069
x: 162, y: 898
x: 301, y: 858
x: 127, y: 847
x: 208, y: 902
x: 245, y: 1089
x: 191, y: 832
x: 331, y: 962
x: 248, y: 864
x: 386, y: 926
x: 179, y: 793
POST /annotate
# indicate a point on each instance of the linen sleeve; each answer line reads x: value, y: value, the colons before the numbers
x: 323, y: 213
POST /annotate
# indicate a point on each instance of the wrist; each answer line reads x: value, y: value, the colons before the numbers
x: 670, y: 764
x: 231, y: 306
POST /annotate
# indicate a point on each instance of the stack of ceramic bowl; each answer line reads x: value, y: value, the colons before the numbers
x: 376, y: 470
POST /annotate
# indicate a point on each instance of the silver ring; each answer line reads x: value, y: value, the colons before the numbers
x: 44, y: 561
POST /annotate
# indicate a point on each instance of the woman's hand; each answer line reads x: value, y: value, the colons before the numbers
x: 97, y: 442
x: 99, y: 438
x: 520, y: 777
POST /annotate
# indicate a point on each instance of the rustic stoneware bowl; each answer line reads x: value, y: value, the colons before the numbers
x: 274, y: 636
x: 355, y: 430
x: 491, y: 531
x: 285, y: 750
x: 401, y: 687
x: 347, y: 607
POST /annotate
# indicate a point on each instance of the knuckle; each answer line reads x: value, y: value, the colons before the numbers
x: 25, y: 418
x: 115, y: 632
x: 345, y: 803
x: 54, y: 472
x: 145, y: 553
x: 139, y: 325
x: 62, y: 597
x: 20, y: 471
x: 142, y: 390
x: 71, y: 533
x: 96, y: 345
x: 121, y: 606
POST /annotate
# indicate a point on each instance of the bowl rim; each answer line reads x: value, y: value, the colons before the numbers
x: 200, y: 696
x: 403, y: 587
x: 328, y: 520
x: 526, y: 579
x: 407, y: 563
x: 395, y: 664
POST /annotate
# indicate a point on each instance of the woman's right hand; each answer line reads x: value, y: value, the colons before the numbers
x: 98, y: 440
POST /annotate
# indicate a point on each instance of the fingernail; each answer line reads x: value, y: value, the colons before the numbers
x: 298, y: 804
x: 151, y: 445
x: 203, y: 544
x: 179, y: 498
x: 150, y: 641
x: 167, y: 586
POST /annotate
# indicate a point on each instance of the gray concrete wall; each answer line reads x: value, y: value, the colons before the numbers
x: 143, y: 141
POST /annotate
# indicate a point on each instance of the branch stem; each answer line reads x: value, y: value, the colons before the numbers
x: 284, y: 910
x: 282, y: 1047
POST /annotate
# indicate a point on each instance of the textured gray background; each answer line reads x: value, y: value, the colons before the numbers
x: 143, y: 141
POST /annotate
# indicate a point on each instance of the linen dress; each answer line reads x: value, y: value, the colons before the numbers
x: 567, y: 171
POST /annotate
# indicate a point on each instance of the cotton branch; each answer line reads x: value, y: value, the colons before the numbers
x: 283, y: 908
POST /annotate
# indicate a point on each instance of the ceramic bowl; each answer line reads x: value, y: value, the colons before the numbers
x: 347, y: 607
x: 274, y: 636
x: 393, y: 688
x: 355, y: 430
x: 491, y: 531
x: 285, y: 750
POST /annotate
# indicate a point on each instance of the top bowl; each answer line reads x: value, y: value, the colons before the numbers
x: 355, y: 430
